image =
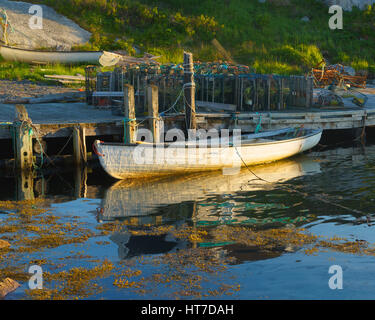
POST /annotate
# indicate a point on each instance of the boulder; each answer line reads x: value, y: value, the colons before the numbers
x: 6, y: 286
x: 58, y: 31
x: 348, y: 5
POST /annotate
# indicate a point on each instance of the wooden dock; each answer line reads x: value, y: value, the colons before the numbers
x: 57, y: 120
x: 80, y: 121
x: 27, y: 125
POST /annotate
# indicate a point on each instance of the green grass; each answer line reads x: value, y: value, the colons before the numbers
x: 269, y: 37
x: 23, y: 71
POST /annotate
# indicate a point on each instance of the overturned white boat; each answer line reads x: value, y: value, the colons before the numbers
x: 123, y: 161
x: 63, y: 57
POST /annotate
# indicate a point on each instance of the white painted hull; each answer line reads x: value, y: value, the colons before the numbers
x: 32, y: 56
x: 147, y: 160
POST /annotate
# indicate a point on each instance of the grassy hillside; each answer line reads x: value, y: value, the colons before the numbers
x: 270, y: 37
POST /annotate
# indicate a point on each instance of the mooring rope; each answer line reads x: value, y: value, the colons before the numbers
x: 28, y: 127
x: 259, y: 126
x: 290, y: 188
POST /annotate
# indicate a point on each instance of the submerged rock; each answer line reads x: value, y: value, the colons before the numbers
x: 6, y: 286
x: 4, y: 244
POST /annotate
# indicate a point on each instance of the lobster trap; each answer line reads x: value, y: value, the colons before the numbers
x: 336, y: 75
x: 244, y: 91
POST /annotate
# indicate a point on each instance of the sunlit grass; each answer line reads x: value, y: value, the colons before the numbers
x: 270, y: 37
x: 23, y: 71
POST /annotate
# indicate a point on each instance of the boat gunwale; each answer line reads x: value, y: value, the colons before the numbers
x: 314, y: 132
x: 41, y: 51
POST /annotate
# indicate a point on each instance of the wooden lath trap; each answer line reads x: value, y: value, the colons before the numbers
x: 218, y: 87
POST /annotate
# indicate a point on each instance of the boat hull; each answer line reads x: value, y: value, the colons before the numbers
x: 44, y: 57
x: 147, y: 160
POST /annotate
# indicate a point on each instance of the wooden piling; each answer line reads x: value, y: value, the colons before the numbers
x: 80, y: 185
x: 129, y: 113
x: 25, y: 186
x: 281, y: 96
x: 79, y: 146
x: 269, y: 93
x: 22, y: 139
x: 153, y: 111
x: 189, y: 91
x: 309, y: 92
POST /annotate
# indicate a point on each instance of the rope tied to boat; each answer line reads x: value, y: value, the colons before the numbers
x: 259, y: 125
x: 290, y: 188
x: 96, y: 151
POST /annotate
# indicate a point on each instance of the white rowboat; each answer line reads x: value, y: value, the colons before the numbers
x: 62, y: 57
x: 123, y: 161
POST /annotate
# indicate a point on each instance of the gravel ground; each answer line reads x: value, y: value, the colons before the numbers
x: 23, y: 89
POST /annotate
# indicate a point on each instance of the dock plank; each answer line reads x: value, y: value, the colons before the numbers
x: 55, y: 113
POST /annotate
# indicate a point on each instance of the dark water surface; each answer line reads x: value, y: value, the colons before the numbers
x: 202, y: 236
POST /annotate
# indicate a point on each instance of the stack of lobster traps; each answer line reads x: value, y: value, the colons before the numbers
x: 219, y: 86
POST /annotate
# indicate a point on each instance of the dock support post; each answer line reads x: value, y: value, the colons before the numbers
x: 269, y: 93
x: 309, y: 92
x: 281, y: 91
x: 129, y: 113
x: 25, y: 186
x: 80, y: 189
x: 189, y: 91
x: 153, y: 111
x: 23, y: 140
x: 79, y: 146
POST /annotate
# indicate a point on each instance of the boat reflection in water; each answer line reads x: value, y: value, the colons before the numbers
x: 191, y: 199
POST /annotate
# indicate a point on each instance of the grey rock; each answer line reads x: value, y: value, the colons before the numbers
x: 58, y: 31
x: 305, y: 19
x: 348, y: 5
x: 349, y: 70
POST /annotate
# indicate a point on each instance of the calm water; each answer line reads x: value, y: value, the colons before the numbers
x: 166, y: 265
